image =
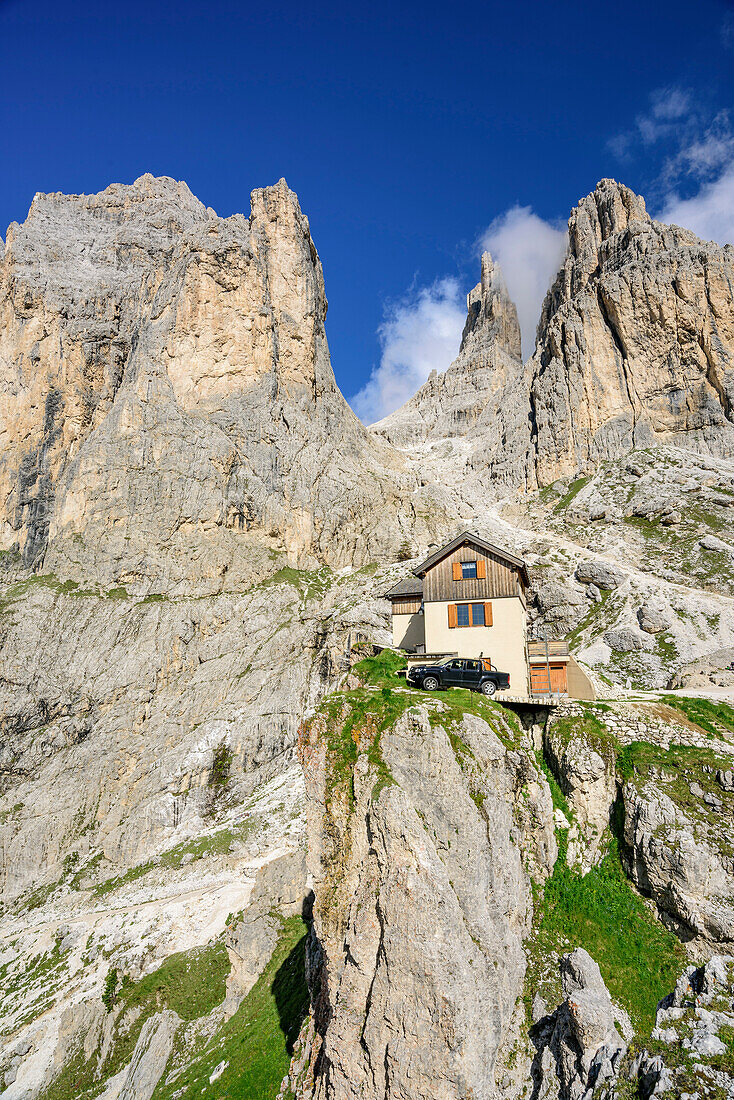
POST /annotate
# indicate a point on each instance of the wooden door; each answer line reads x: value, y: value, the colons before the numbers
x: 559, y: 682
x: 539, y: 683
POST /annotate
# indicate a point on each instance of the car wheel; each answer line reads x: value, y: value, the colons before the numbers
x: 489, y: 687
x: 430, y: 683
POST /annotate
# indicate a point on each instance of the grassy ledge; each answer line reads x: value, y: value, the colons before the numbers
x: 716, y: 719
x: 640, y: 960
x: 191, y: 983
x: 254, y: 1046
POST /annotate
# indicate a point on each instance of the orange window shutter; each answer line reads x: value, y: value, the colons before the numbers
x: 457, y: 572
x: 452, y: 614
x: 481, y: 569
x: 487, y: 614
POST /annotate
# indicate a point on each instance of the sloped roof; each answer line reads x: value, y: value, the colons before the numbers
x: 408, y: 586
x: 469, y: 536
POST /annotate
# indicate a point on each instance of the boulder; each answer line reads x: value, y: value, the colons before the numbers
x: 653, y: 618
x: 578, y: 1046
x: 600, y: 573
x: 710, y: 542
x: 557, y: 595
x: 625, y: 640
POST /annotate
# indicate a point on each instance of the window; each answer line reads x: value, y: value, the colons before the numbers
x: 470, y: 614
x: 467, y: 570
x: 472, y: 666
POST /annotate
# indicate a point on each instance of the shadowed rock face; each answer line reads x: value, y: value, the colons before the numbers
x: 167, y: 394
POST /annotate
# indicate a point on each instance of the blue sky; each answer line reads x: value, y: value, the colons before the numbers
x: 412, y: 132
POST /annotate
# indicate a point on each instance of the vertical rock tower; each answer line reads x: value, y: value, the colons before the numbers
x: 168, y: 396
x: 450, y: 404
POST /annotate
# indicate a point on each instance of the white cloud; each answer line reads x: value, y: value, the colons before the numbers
x: 668, y: 103
x: 697, y: 148
x: 671, y: 116
x: 709, y: 213
x: 530, y: 251
x: 421, y: 333
x: 704, y: 151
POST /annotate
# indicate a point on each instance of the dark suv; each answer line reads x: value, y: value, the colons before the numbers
x: 463, y: 672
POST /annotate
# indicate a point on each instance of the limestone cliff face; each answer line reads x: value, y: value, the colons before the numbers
x: 635, y: 348
x: 168, y: 399
x: 635, y: 341
x: 422, y: 880
x: 449, y: 404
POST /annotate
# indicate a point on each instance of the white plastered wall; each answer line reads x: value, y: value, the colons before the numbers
x: 503, y: 642
x: 408, y: 631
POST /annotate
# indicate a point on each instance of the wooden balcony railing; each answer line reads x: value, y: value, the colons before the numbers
x: 556, y: 648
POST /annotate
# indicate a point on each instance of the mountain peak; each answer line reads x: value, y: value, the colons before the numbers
x: 491, y: 315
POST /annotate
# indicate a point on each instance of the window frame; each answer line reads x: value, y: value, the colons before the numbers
x: 453, y: 614
x: 470, y: 605
x: 471, y: 576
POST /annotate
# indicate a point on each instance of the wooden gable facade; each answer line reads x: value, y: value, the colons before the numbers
x: 497, y: 576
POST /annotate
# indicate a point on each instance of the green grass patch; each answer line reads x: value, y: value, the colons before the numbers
x: 573, y: 490
x: 639, y: 959
x: 257, y: 1042
x: 559, y: 798
x: 354, y: 721
x: 450, y: 707
x: 119, y: 593
x: 191, y: 983
x: 32, y: 983
x: 212, y: 844
x: 380, y: 669
x: 647, y: 527
x: 711, y: 717
x: 588, y: 728
x: 308, y: 583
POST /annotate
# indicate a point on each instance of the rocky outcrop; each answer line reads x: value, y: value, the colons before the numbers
x: 422, y: 900
x: 635, y: 348
x: 601, y: 573
x: 689, y: 1049
x: 635, y: 341
x: 169, y: 415
x: 451, y: 404
x: 678, y: 838
x: 279, y: 891
x: 580, y: 1053
x: 152, y: 1051
x: 585, y: 768
x: 578, y: 1047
